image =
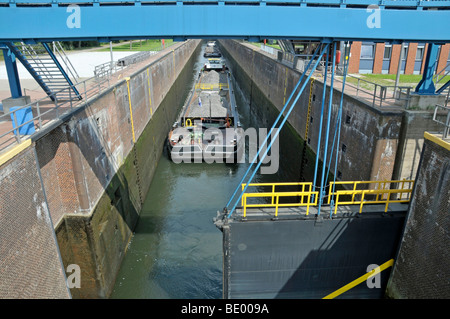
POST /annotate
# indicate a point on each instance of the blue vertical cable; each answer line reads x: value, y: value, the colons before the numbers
x: 278, y: 131
x: 320, y: 127
x: 346, y: 62
x: 328, y: 130
x: 336, y: 129
x: 273, y: 126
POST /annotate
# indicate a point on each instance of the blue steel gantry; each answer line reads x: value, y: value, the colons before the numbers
x: 32, y: 21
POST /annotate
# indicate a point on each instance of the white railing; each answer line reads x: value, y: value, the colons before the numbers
x: 446, y: 124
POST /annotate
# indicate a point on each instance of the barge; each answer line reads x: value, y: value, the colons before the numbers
x: 207, y: 129
x: 211, y: 50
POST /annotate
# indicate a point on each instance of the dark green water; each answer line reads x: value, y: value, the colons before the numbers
x: 176, y: 250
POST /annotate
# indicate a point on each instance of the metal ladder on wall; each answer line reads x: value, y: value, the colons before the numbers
x: 45, y: 67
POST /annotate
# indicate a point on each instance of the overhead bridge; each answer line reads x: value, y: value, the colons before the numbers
x: 105, y: 20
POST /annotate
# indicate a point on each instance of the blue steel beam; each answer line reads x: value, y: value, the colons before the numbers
x: 426, y: 85
x: 103, y: 20
x: 13, y: 74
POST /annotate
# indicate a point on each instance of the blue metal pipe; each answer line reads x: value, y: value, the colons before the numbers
x: 281, y: 125
x: 328, y: 130
x: 319, y: 141
x: 346, y: 61
x: 337, y: 129
x: 340, y: 111
x: 273, y: 126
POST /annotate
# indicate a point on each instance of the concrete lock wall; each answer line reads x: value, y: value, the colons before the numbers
x: 421, y: 269
x: 96, y: 173
x: 380, y: 144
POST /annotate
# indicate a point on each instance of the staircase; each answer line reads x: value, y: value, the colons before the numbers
x: 286, y: 46
x: 42, y: 63
x: 439, y: 76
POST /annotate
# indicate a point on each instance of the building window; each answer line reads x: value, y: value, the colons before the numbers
x: 405, y: 51
x: 420, y: 52
x: 367, y: 51
x: 387, y: 52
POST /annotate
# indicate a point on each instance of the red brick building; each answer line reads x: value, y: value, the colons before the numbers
x: 382, y: 58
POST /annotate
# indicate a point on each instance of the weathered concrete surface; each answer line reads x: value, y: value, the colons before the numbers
x: 414, y: 124
x: 421, y: 269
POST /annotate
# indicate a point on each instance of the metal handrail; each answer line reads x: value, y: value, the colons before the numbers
x: 311, y: 200
x: 307, y: 198
x: 62, y: 54
x: 379, y: 93
x: 88, y: 92
x: 446, y: 124
x: 377, y: 185
x: 364, y: 201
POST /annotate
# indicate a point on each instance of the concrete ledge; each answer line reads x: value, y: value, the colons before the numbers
x: 437, y: 140
x: 13, y: 151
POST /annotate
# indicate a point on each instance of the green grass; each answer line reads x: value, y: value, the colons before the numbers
x: 143, y: 45
x: 258, y: 44
x: 389, y: 79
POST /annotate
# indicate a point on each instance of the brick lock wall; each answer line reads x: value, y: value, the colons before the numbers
x: 57, y: 174
x: 30, y: 263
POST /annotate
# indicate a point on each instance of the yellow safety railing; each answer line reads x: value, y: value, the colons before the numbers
x: 381, y: 194
x: 302, y: 194
x: 211, y: 86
